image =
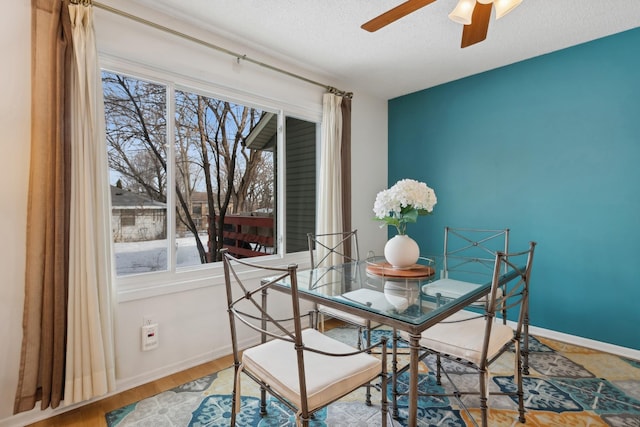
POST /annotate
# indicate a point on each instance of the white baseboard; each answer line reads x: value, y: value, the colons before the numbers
x: 586, y: 342
x: 147, y: 377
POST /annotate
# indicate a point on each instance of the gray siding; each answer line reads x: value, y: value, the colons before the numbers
x: 300, y: 182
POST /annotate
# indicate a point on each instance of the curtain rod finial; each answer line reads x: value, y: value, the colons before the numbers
x: 339, y: 92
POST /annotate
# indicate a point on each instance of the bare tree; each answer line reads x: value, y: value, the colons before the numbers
x: 259, y: 195
x: 211, y: 155
x: 136, y: 134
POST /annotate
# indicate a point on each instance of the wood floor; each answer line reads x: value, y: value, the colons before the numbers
x: 92, y: 415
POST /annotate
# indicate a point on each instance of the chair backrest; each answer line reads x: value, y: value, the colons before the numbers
x: 469, y: 253
x: 511, y: 273
x: 246, y: 303
x: 329, y: 249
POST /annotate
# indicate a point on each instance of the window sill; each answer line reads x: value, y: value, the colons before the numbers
x: 142, y: 286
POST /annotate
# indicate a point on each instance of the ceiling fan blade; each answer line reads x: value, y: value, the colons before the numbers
x: 477, y: 30
x: 394, y: 14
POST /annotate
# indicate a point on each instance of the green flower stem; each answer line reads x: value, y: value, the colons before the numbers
x: 400, y: 220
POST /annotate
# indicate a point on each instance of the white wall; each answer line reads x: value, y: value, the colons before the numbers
x: 369, y: 169
x: 15, y: 76
x: 193, y: 324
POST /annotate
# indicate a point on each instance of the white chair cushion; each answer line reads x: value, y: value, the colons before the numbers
x: 328, y: 378
x: 464, y: 339
x: 450, y: 288
x: 347, y: 317
x: 368, y: 297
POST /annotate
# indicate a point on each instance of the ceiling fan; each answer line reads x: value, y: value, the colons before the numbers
x: 473, y: 14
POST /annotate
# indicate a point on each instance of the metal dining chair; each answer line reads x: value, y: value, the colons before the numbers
x: 468, y: 257
x: 328, y: 250
x: 302, y: 368
x: 477, y: 339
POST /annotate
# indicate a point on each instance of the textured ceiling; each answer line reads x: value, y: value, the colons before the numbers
x: 418, y: 51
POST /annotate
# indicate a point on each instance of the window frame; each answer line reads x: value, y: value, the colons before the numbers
x: 149, y: 284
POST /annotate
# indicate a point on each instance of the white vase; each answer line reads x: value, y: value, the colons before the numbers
x: 401, y: 251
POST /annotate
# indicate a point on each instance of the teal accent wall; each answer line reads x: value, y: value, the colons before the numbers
x: 550, y: 148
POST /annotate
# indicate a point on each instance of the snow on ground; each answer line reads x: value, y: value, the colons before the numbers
x: 143, y: 257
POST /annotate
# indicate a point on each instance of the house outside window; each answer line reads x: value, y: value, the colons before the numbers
x: 127, y: 219
x: 192, y: 173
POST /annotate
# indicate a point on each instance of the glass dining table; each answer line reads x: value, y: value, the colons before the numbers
x: 397, y: 298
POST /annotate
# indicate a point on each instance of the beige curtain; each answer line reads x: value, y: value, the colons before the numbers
x: 53, y: 369
x: 334, y: 214
x: 330, y: 188
x: 345, y: 166
x: 90, y: 364
x: 44, y: 318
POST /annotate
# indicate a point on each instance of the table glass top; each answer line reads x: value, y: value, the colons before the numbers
x: 408, y: 295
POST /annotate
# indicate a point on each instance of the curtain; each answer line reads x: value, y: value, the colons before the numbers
x: 345, y: 166
x: 67, y: 345
x: 330, y: 188
x: 90, y: 366
x: 334, y: 214
x: 41, y: 371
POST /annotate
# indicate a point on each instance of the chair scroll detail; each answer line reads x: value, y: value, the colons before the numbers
x: 333, y: 248
x: 302, y: 368
x: 472, y: 251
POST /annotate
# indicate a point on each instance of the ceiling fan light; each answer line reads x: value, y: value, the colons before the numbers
x: 505, y: 6
x: 463, y: 12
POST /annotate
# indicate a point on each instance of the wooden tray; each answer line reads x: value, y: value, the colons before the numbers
x: 416, y: 271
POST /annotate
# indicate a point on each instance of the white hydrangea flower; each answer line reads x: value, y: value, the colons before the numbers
x: 403, y: 202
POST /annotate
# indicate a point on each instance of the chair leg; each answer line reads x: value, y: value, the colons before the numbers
x: 483, y: 397
x: 525, y: 350
x: 304, y: 421
x: 263, y: 402
x: 367, y: 399
x: 394, y: 375
x: 383, y: 387
x: 233, y: 408
x: 518, y: 378
x: 368, y: 386
x: 234, y: 394
x: 438, y: 370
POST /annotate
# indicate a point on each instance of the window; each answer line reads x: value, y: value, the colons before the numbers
x: 192, y: 173
x: 127, y: 219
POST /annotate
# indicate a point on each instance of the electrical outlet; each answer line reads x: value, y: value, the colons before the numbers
x: 149, y: 337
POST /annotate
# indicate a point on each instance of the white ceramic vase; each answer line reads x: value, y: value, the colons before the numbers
x: 401, y: 251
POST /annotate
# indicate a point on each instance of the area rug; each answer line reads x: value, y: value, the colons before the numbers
x: 568, y: 386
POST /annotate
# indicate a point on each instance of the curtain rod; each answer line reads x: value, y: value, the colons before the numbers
x: 236, y: 55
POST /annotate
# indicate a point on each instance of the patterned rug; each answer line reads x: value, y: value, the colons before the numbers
x: 568, y: 386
